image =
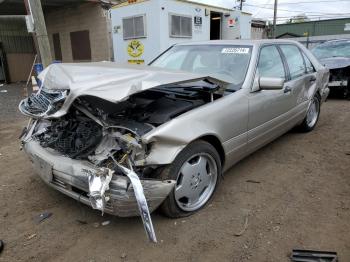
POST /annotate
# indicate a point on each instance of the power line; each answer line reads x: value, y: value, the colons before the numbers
x: 295, y: 11
x: 344, y: 14
x: 259, y: 10
x: 308, y: 2
x: 312, y: 16
x: 322, y: 18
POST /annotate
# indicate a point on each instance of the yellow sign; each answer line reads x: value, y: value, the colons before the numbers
x: 135, y: 48
x: 137, y: 62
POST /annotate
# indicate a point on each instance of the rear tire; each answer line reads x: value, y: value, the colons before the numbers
x: 312, y: 116
x: 197, y: 172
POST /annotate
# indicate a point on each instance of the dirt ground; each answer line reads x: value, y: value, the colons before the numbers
x: 302, y: 200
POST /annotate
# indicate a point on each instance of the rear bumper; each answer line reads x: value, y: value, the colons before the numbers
x: 70, y: 177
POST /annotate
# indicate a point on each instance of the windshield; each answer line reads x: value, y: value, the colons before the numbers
x: 332, y: 49
x: 228, y: 63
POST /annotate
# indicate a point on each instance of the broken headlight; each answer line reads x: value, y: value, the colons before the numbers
x: 44, y: 102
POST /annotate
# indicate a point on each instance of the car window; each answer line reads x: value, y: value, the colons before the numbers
x: 294, y: 60
x: 173, y: 61
x: 332, y: 49
x: 270, y: 63
x: 309, y: 67
x: 228, y: 63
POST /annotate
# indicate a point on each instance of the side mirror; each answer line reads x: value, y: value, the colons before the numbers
x: 271, y: 83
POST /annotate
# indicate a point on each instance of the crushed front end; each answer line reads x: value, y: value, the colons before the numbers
x: 94, y: 157
x: 339, y: 81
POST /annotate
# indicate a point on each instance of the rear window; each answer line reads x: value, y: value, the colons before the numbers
x: 294, y: 59
x: 309, y: 66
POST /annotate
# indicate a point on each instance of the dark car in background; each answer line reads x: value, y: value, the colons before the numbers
x: 335, y: 55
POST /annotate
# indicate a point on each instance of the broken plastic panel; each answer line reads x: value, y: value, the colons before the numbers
x: 141, y: 201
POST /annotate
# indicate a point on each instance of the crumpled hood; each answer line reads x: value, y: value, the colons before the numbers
x: 110, y: 81
x: 335, y: 62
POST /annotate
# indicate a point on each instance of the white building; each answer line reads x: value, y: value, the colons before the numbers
x: 142, y: 29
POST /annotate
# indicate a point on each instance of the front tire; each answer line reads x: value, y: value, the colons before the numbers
x: 197, y: 171
x: 312, y: 116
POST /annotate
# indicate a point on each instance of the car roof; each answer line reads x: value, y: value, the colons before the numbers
x: 335, y: 41
x: 239, y: 42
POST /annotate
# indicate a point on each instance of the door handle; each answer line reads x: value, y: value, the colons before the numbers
x: 287, y: 89
x: 312, y: 79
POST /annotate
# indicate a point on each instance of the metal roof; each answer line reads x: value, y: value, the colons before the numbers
x: 314, y: 28
x: 194, y: 2
x: 14, y: 35
x: 17, y: 7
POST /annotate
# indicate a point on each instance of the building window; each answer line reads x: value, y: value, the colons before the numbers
x: 57, y: 46
x: 180, y: 26
x: 134, y: 27
x: 80, y: 41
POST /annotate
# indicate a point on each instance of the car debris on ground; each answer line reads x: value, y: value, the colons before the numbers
x: 41, y: 217
x: 29, y: 237
x: 299, y: 255
x: 246, y: 213
x: 105, y: 223
x: 253, y: 181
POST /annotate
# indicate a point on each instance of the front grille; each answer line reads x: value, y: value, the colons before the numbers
x: 57, y: 182
x: 109, y: 205
x: 60, y: 183
x: 337, y: 75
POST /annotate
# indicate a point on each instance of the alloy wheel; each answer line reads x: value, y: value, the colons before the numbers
x: 313, y: 112
x: 196, y: 182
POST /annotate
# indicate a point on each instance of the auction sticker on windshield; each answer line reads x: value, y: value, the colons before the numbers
x: 235, y: 50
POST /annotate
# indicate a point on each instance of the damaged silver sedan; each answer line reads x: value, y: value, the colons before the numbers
x: 129, y: 139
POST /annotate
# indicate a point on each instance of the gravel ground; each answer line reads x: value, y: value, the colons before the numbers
x: 10, y: 96
x: 300, y: 200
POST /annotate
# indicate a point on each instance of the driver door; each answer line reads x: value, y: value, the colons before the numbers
x: 268, y: 109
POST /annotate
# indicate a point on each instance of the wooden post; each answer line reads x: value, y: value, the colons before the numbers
x: 34, y: 8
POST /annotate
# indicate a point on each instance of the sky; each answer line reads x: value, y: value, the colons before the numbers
x: 314, y: 9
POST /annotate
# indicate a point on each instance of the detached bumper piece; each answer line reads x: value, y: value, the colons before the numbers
x: 313, y: 256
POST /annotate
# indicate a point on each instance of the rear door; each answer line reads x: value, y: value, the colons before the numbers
x: 298, y: 80
x: 311, y: 76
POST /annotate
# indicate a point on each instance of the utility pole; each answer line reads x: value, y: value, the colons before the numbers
x: 35, y: 9
x: 241, y: 5
x: 274, y: 19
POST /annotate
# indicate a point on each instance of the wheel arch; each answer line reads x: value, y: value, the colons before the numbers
x: 216, y: 143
